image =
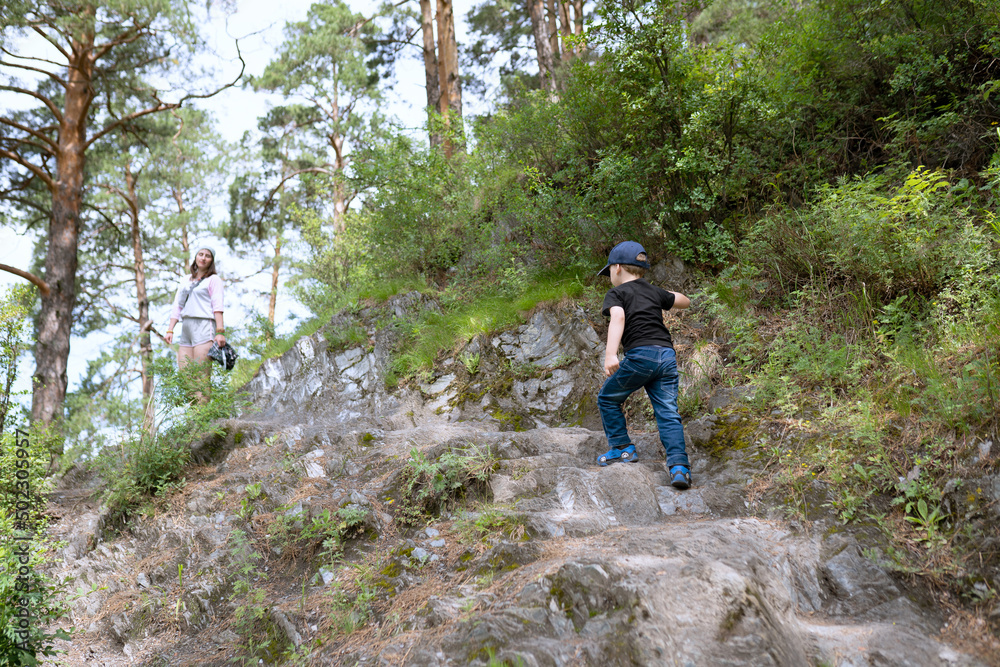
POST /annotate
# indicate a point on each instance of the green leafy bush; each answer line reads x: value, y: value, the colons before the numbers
x: 426, y: 487
x: 419, y: 204
x: 25, y: 549
x: 25, y: 553
x: 147, y: 465
x: 889, y: 236
x: 333, y: 529
x: 489, y: 524
x: 259, y: 640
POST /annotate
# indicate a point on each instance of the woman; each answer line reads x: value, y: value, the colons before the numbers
x: 199, y: 305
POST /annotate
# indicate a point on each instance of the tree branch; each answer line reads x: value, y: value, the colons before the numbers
x: 160, y: 106
x: 169, y: 106
x: 104, y: 215
x: 126, y: 37
x: 30, y: 167
x: 205, y: 96
x: 30, y: 277
x: 46, y: 101
x: 7, y: 195
x: 131, y: 318
x: 403, y: 42
x: 299, y: 172
x: 35, y: 58
x: 353, y: 31
x: 47, y: 73
x: 53, y: 42
x: 27, y: 142
x: 35, y: 133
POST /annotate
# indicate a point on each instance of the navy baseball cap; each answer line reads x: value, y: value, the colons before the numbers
x: 626, y: 252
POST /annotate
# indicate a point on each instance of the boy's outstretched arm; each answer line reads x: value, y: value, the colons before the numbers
x: 680, y: 301
x: 615, y: 330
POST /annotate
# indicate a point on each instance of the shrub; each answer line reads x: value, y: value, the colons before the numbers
x: 147, y: 465
x: 21, y: 517
x: 891, y: 237
x: 426, y: 487
x: 25, y: 549
x: 488, y: 525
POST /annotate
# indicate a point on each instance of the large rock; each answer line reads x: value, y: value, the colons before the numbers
x: 550, y: 338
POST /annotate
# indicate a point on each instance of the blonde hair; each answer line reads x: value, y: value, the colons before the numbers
x: 631, y: 269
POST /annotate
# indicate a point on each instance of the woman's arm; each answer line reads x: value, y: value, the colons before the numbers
x: 169, y: 336
x: 215, y: 293
x: 220, y: 329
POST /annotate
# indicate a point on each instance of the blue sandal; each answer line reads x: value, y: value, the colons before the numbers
x: 680, y: 477
x: 614, y: 455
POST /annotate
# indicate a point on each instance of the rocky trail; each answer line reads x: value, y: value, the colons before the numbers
x: 598, y: 566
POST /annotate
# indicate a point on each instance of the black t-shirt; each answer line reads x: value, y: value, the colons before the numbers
x: 643, y: 305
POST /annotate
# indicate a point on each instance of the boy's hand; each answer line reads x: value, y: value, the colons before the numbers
x: 610, y: 365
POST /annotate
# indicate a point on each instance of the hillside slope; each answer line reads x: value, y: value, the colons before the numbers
x: 464, y: 521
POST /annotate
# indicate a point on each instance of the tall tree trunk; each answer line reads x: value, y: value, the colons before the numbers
x: 578, y: 19
x: 450, y: 102
x: 145, y: 344
x: 552, y: 15
x: 56, y: 317
x: 275, y: 266
x: 339, y: 194
x: 337, y: 143
x: 185, y: 244
x: 566, y: 28
x: 536, y: 9
x: 430, y: 65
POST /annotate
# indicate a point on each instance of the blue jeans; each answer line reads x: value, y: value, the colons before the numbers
x: 655, y: 369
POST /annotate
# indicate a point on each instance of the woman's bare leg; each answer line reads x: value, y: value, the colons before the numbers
x: 198, y: 355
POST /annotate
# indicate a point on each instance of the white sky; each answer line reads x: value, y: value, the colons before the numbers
x: 258, y: 24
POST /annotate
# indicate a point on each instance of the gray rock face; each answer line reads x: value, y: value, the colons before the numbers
x: 549, y: 339
x: 670, y: 274
x: 311, y: 384
x: 309, y: 380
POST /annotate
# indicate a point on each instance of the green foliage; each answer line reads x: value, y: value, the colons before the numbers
x: 922, y: 504
x: 253, y: 496
x: 465, y: 316
x: 259, y: 640
x: 145, y: 466
x: 867, y: 323
x: 351, y: 335
x: 891, y: 239
x: 13, y: 318
x: 351, y: 608
x: 419, y: 205
x: 490, y: 524
x: 471, y: 362
x: 426, y: 487
x: 25, y: 553
x: 333, y: 529
x: 25, y: 549
x: 34, y: 592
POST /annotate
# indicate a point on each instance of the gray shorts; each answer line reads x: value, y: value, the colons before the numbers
x: 196, y: 331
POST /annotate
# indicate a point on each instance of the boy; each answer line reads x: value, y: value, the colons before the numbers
x: 635, y: 308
